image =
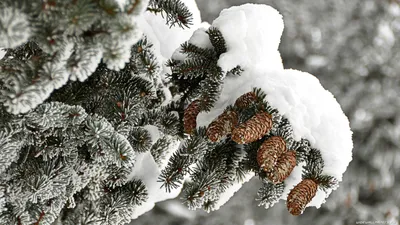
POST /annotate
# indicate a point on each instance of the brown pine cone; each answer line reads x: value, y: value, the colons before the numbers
x: 222, y: 126
x: 246, y: 100
x: 253, y: 129
x: 300, y: 196
x: 270, y: 151
x: 190, y: 116
x: 283, y: 168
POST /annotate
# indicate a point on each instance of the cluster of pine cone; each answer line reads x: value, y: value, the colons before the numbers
x: 272, y: 156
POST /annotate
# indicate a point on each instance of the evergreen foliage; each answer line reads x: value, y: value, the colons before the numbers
x: 68, y: 158
x: 66, y: 40
x: 269, y: 194
x: 215, y: 165
x: 198, y: 76
x: 174, y: 11
x: 83, y: 96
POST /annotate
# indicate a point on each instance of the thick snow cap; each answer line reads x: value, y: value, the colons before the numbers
x: 252, y: 33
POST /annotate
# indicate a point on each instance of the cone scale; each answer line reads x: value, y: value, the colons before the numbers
x: 284, y: 167
x: 190, y: 116
x: 246, y: 100
x: 300, y: 196
x: 222, y: 126
x: 253, y: 129
x: 270, y: 151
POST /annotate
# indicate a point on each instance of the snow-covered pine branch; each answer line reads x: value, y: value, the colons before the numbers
x: 261, y: 106
x: 105, y: 148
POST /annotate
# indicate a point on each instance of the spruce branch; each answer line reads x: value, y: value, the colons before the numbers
x: 302, y: 149
x: 269, y: 193
x: 135, y: 191
x: 110, y: 8
x: 236, y: 71
x: 326, y: 182
x: 9, y: 149
x: 193, y: 51
x: 217, y: 40
x: 140, y: 139
x: 314, y: 165
x: 179, y: 164
x: 214, y: 174
x: 159, y: 150
x: 174, y: 11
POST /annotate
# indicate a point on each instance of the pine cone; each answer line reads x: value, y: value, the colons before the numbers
x: 300, y: 196
x: 253, y: 129
x: 190, y: 116
x: 246, y: 100
x: 270, y: 151
x: 222, y: 126
x: 283, y: 168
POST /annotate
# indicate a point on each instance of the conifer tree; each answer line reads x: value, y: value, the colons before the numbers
x: 248, y: 134
x: 90, y: 119
x: 82, y: 96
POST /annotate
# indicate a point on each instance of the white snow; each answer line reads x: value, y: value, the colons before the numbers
x: 169, y: 38
x: 199, y: 38
x: 154, y: 132
x: 177, y: 209
x: 230, y: 191
x: 252, y: 34
x: 2, y: 53
x: 147, y: 170
x: 173, y: 147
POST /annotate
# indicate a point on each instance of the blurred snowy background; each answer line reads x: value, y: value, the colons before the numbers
x: 352, y: 46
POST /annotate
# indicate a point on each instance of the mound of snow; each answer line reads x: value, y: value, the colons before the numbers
x: 312, y: 111
x: 252, y: 33
x: 147, y: 170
